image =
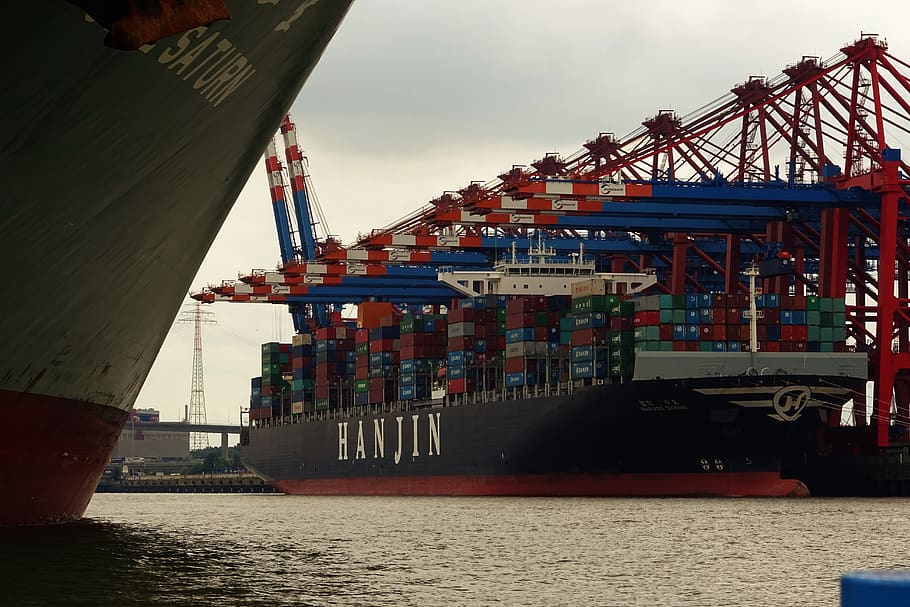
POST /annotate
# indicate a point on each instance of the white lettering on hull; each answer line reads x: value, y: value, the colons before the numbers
x: 218, y: 66
x: 342, y: 440
x: 434, y: 434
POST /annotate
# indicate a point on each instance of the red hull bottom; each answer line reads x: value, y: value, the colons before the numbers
x: 52, y: 454
x: 719, y: 484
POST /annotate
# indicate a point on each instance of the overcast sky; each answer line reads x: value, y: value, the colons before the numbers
x: 416, y: 97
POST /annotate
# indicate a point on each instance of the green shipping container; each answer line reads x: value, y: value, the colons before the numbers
x: 363, y: 348
x: 666, y: 315
x: 706, y: 346
x: 812, y: 303
x: 648, y: 346
x: 649, y: 333
x: 827, y: 334
x: 666, y: 303
x: 362, y: 385
x: 679, y: 317
x: 826, y: 346
x: 666, y: 346
x: 622, y: 368
x: 838, y: 304
x: 813, y: 318
x: 838, y: 319
x: 839, y: 334
x: 825, y: 304
x: 813, y: 333
x: 322, y: 404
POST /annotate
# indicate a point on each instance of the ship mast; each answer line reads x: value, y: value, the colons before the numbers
x: 753, y: 313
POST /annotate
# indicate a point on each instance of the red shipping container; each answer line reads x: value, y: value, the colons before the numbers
x: 692, y: 346
x: 461, y: 343
x: 622, y: 323
x: 799, y: 346
x: 840, y: 346
x: 362, y: 336
x: 384, y: 345
x: 592, y: 336
x: 679, y: 346
x: 705, y: 332
x: 733, y: 316
x: 719, y: 300
x: 646, y: 319
x: 770, y: 346
x: 786, y: 333
x: 800, y: 333
x: 285, y: 348
x: 525, y: 303
x: 266, y: 390
x: 786, y: 302
x: 541, y: 333
x: 719, y: 332
x: 734, y: 332
x: 666, y: 332
x: 459, y: 386
x: 771, y: 316
x: 515, y: 365
x: 761, y: 331
x: 462, y: 315
x: 520, y: 320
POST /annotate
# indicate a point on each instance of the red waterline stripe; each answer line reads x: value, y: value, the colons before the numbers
x: 719, y: 484
x: 52, y: 454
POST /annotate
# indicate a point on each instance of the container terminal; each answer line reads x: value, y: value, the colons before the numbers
x: 694, y: 308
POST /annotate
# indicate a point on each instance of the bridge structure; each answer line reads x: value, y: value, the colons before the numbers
x: 225, y: 430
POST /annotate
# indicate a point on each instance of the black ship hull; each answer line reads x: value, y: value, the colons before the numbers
x: 718, y: 436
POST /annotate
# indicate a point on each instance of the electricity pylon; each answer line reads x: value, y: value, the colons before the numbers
x: 195, y: 412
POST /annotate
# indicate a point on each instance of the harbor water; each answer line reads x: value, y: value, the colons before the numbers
x: 229, y: 549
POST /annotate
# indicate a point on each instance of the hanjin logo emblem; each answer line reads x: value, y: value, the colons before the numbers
x: 789, y: 402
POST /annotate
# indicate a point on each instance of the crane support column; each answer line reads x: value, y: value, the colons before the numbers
x: 731, y: 264
x: 833, y: 253
x: 680, y: 250
x: 859, y: 258
x: 887, y: 301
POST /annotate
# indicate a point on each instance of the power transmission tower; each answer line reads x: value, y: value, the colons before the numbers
x: 195, y: 413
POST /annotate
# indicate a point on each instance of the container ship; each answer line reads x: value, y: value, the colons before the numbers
x: 586, y: 388
x: 129, y: 132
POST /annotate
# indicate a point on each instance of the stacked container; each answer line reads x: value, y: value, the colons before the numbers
x: 303, y: 382
x: 256, y: 398
x: 423, y: 348
x: 532, y: 340
x: 275, y: 386
x: 334, y: 366
x: 361, y: 366
x: 461, y: 374
x: 384, y: 358
x: 602, y: 332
